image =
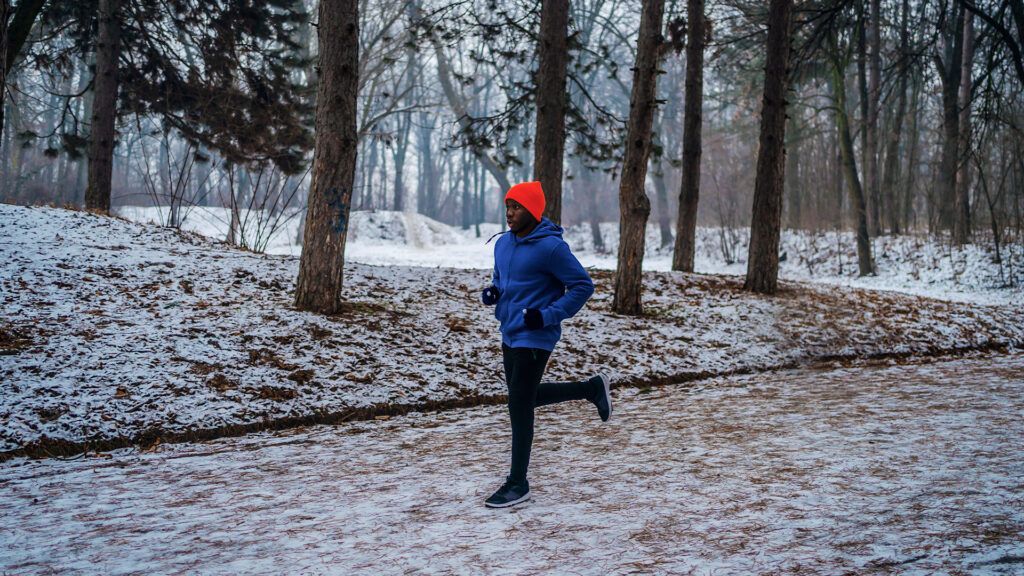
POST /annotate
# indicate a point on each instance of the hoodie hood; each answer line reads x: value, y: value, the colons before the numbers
x: 544, y: 229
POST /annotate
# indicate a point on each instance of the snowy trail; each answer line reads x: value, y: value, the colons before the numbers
x: 911, y: 468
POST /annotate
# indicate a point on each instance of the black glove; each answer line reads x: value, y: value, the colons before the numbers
x: 533, y: 319
x: 490, y: 295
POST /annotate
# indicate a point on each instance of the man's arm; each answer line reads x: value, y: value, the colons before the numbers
x: 491, y: 294
x: 578, y: 285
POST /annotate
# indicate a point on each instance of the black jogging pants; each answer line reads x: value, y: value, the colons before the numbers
x: 524, y: 368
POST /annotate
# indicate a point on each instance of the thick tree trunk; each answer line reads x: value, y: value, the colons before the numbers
x: 857, y: 201
x: 948, y: 67
x: 962, y: 204
x: 104, y: 107
x: 689, y: 188
x: 765, y: 220
x: 633, y: 203
x: 549, y: 142
x: 321, y: 268
x: 891, y: 178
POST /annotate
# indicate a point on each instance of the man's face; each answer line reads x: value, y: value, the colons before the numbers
x: 517, y: 217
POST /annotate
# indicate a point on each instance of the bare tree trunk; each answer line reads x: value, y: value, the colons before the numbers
x: 633, y: 203
x: 15, y: 34
x: 549, y: 142
x: 871, y: 142
x: 765, y: 220
x: 857, y: 201
x: 948, y: 67
x: 321, y: 268
x: 793, y: 196
x: 104, y: 109
x: 891, y: 176
x: 368, y: 169
x: 482, y: 199
x: 911, y: 180
x: 401, y: 146
x: 5, y: 17
x: 661, y: 197
x: 467, y: 195
x: 862, y: 93
x: 962, y: 204
x: 689, y: 188
x: 585, y: 188
x: 837, y: 159
x: 426, y: 197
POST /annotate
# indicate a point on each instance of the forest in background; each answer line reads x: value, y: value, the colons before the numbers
x: 901, y: 116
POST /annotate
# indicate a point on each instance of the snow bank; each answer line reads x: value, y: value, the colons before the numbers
x: 117, y: 331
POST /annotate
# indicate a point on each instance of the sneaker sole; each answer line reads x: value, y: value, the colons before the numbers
x: 522, y: 499
x: 607, y: 393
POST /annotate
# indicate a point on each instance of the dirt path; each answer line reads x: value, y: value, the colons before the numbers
x: 870, y: 469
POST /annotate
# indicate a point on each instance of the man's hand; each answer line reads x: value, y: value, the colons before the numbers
x: 533, y: 319
x: 490, y: 295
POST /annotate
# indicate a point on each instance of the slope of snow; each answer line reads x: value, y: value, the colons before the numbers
x: 908, y: 264
x: 115, y: 330
x: 911, y: 469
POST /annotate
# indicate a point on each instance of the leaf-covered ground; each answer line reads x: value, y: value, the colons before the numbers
x: 117, y: 332
x: 869, y: 469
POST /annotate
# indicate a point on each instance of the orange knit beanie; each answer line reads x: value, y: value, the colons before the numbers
x: 530, y: 195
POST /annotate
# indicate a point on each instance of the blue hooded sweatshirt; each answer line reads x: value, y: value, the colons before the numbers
x: 540, y: 272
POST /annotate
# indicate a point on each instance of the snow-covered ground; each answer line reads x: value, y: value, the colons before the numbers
x: 909, y: 264
x: 119, y: 332
x: 909, y: 469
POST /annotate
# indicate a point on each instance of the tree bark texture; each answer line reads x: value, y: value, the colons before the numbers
x: 104, y: 107
x: 634, y: 205
x: 549, y: 143
x: 874, y: 94
x: 763, y: 254
x: 948, y: 67
x: 962, y: 203
x: 689, y: 188
x: 321, y: 268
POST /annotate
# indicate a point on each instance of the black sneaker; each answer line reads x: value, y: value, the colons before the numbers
x: 510, y: 494
x: 603, y: 397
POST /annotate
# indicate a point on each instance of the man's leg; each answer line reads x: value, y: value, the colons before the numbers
x: 595, y: 390
x: 555, y: 392
x: 524, y: 368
